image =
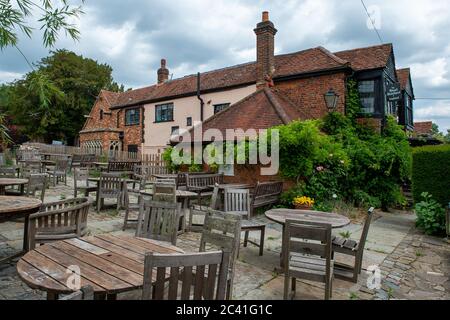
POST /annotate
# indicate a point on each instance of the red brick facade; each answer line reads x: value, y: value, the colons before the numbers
x: 108, y: 126
x: 308, y: 94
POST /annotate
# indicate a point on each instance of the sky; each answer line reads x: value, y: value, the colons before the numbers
x: 202, y: 35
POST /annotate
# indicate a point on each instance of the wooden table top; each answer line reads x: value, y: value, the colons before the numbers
x: 110, y: 264
x: 179, y: 193
x: 165, y: 176
x: 281, y: 215
x: 98, y: 180
x: 13, y: 206
x: 12, y: 182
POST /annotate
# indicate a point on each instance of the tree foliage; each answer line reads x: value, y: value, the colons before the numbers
x: 53, y: 17
x: 50, y: 103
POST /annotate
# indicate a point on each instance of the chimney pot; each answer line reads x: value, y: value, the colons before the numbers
x: 163, y: 72
x: 265, y: 16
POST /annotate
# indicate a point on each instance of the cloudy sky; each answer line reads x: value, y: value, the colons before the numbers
x: 200, y: 35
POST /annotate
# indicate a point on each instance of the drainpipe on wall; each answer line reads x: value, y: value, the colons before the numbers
x: 202, y: 103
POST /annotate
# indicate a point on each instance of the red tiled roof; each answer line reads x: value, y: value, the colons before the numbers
x: 403, y: 77
x: 307, y: 61
x: 302, y: 62
x: 423, y: 127
x: 110, y: 96
x: 263, y: 109
x: 367, y: 58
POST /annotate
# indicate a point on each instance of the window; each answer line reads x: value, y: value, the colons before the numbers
x: 132, y: 148
x: 367, y: 94
x: 175, y: 131
x: 220, y: 107
x: 164, y: 113
x: 189, y: 122
x: 132, y: 117
x: 101, y: 114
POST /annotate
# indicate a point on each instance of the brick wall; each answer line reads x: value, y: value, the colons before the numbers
x: 309, y: 93
x: 108, y: 128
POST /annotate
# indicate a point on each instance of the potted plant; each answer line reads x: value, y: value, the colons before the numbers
x: 303, y: 203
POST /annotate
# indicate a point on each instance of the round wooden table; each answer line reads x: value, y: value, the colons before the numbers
x: 281, y: 215
x: 110, y: 264
x: 13, y: 208
x: 9, y: 182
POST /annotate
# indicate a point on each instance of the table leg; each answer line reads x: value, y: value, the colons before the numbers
x: 26, y: 242
x: 22, y: 189
x: 51, y: 296
x: 2, y: 190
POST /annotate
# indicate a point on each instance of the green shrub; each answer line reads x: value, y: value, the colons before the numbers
x: 430, y: 215
x: 431, y: 173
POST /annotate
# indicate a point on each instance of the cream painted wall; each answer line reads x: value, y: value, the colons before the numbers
x: 157, y: 135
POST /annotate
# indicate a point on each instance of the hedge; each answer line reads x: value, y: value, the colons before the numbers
x: 431, y: 173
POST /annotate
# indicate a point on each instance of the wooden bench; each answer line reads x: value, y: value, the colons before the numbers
x: 266, y: 193
x: 126, y: 167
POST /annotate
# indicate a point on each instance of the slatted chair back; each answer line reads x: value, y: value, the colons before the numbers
x: 362, y: 242
x: 8, y: 173
x: 85, y: 293
x: 81, y: 177
x: 37, y: 182
x: 205, y: 273
x: 59, y: 221
x: 311, y: 239
x: 111, y: 185
x: 181, y: 180
x: 122, y: 166
x: 165, y: 191
x: 30, y: 168
x: 158, y: 221
x: 238, y: 201
x: 197, y: 182
x: 223, y: 231
x: 62, y: 165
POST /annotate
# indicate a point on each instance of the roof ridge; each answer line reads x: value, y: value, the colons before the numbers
x: 333, y: 56
x: 277, y: 106
x: 368, y: 47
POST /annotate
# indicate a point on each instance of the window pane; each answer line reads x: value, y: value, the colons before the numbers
x: 132, y: 117
x: 367, y: 86
x: 368, y: 105
x: 164, y: 112
x: 220, y: 107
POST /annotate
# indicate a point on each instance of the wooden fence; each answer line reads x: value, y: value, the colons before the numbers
x: 102, y: 156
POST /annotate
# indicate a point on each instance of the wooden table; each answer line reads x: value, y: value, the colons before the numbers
x: 7, y: 182
x: 110, y: 264
x: 124, y: 188
x: 13, y: 208
x: 183, y: 195
x: 281, y: 215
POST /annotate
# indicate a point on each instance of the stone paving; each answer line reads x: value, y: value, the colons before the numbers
x: 413, y: 266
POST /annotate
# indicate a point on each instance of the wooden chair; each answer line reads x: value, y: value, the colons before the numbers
x: 85, y: 293
x: 165, y: 191
x: 238, y: 201
x: 131, y: 206
x: 307, y: 255
x: 59, y: 221
x: 202, y: 184
x: 37, y: 182
x: 158, y: 221
x: 351, y: 248
x: 223, y: 231
x: 111, y: 186
x: 10, y: 173
x: 81, y: 182
x: 59, y: 172
x: 30, y: 168
x: 265, y: 194
x: 207, y: 273
x: 201, y: 211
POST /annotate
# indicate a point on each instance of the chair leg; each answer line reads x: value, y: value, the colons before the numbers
x: 99, y: 201
x: 293, y: 288
x: 125, y: 222
x: 261, y: 243
x: 286, y: 286
x: 327, y: 290
x: 247, y: 233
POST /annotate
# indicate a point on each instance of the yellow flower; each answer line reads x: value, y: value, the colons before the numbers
x: 304, y: 201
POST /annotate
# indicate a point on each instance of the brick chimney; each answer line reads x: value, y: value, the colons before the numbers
x: 265, y: 51
x: 163, y: 72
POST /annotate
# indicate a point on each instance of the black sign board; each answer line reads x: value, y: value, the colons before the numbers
x: 394, y: 92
